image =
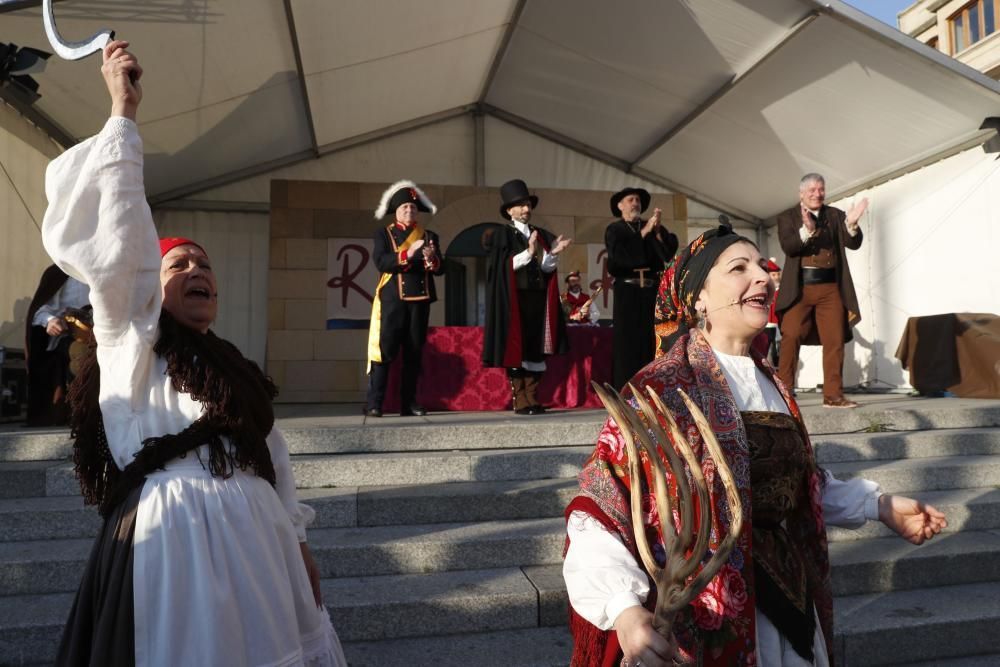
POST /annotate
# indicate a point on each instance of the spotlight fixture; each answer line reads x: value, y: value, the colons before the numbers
x: 15, y: 66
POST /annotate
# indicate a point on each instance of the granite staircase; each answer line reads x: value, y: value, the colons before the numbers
x: 440, y: 538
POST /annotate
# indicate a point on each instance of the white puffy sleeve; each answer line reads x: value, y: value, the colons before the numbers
x: 98, y: 228
x: 301, y: 515
x: 602, y: 578
x: 850, y: 504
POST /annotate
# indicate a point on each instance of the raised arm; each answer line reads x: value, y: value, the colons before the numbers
x: 98, y: 227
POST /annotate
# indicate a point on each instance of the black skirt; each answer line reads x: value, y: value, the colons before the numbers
x: 101, y: 626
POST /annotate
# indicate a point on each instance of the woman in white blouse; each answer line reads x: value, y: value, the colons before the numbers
x: 771, y: 602
x: 202, y: 559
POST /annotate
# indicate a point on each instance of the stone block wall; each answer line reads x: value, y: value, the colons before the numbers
x: 311, y: 364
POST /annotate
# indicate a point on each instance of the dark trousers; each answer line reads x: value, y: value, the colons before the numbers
x: 531, y: 306
x: 634, y: 339
x: 48, y: 380
x: 404, y: 325
x: 524, y: 385
x: 823, y: 303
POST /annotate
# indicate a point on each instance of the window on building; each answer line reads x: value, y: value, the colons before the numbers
x: 972, y: 23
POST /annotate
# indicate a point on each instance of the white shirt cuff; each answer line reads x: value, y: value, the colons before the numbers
x: 521, y: 259
x: 871, y: 506
x: 804, y: 234
x: 619, y: 603
x: 853, y: 231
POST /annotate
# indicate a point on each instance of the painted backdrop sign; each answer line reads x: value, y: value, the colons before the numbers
x: 351, y: 280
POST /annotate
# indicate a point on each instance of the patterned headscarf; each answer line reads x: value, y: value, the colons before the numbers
x: 683, y: 281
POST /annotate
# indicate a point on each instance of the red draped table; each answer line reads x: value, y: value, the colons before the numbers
x: 453, y: 377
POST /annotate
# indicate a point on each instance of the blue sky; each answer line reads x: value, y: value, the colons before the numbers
x: 883, y: 10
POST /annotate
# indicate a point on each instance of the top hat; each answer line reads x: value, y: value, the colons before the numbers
x: 621, y: 194
x: 515, y: 192
x: 403, y: 192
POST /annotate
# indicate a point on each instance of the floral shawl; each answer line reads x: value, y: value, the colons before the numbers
x: 718, y: 627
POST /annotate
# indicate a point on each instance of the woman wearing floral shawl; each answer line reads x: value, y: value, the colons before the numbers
x: 771, y: 603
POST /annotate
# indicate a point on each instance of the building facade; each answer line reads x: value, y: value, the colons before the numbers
x: 967, y: 30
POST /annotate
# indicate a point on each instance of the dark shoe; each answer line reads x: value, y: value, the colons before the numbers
x: 839, y: 403
x: 536, y: 410
x: 413, y: 411
x: 523, y: 411
x: 373, y: 412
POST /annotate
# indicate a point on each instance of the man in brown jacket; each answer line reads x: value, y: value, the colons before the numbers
x: 816, y: 303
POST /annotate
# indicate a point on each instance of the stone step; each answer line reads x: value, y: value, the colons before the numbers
x: 901, y: 627
x: 860, y: 566
x: 924, y: 474
x: 839, y: 448
x: 534, y: 647
x: 315, y: 431
x: 48, y: 518
x: 990, y: 660
x: 905, y: 627
x: 56, y: 478
x: 30, y: 479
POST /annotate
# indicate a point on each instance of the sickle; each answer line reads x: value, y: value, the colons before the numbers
x: 72, y: 50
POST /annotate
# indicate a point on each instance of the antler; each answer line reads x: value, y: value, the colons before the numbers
x: 673, y: 591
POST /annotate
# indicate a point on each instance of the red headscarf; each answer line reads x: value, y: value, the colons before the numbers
x: 171, y: 242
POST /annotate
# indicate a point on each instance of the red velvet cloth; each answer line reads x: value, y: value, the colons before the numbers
x: 453, y: 379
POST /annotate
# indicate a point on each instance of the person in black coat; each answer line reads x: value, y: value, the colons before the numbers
x: 408, y: 257
x: 524, y: 318
x: 637, y: 252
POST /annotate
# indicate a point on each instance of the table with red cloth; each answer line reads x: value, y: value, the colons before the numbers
x: 453, y: 378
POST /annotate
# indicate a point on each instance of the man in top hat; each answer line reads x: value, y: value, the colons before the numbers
x: 816, y: 302
x: 524, y: 318
x: 636, y: 254
x: 408, y: 257
x: 577, y: 304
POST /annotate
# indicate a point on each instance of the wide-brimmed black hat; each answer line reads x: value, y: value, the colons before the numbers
x: 515, y: 192
x: 644, y: 199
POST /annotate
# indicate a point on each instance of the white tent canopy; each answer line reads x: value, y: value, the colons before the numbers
x: 728, y: 101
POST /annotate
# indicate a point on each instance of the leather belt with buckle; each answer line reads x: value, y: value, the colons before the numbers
x: 815, y: 276
x: 645, y: 278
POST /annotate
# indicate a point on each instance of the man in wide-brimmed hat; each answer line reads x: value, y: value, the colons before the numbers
x: 408, y: 257
x: 524, y: 318
x: 637, y: 252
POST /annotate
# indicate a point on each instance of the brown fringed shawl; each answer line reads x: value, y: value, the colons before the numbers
x: 237, y: 399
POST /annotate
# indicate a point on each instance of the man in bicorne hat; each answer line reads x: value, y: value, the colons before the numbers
x: 408, y: 257
x: 524, y: 318
x: 637, y: 252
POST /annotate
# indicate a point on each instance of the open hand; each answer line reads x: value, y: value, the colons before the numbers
x: 121, y: 73
x: 914, y: 520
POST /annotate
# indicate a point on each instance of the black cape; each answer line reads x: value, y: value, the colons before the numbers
x: 502, y: 336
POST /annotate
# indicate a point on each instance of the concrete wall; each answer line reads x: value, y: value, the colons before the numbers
x: 311, y: 364
x: 25, y: 151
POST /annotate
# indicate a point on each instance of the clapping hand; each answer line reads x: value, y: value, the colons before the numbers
x: 533, y: 243
x: 854, y: 215
x: 651, y: 224
x: 561, y: 244
x: 415, y: 248
x: 808, y: 222
x: 913, y: 520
